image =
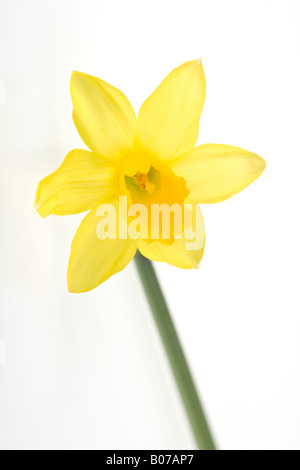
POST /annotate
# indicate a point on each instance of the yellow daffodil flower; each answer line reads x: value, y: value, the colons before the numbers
x: 151, y: 159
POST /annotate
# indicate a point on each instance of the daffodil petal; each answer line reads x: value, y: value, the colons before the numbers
x: 185, y: 253
x: 215, y: 172
x: 175, y: 254
x: 92, y: 260
x: 169, y: 118
x: 103, y: 116
x: 82, y: 181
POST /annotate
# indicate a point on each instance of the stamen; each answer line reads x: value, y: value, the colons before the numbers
x: 144, y: 182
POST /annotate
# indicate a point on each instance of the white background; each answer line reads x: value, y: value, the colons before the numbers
x: 88, y: 371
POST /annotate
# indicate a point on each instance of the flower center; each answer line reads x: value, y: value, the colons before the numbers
x: 144, y: 182
x: 156, y: 188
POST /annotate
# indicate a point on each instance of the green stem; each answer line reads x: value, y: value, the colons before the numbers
x: 175, y: 354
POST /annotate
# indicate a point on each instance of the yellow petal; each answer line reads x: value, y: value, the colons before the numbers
x: 216, y: 172
x: 92, y: 260
x: 183, y: 253
x: 103, y: 116
x: 169, y: 118
x: 82, y: 181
